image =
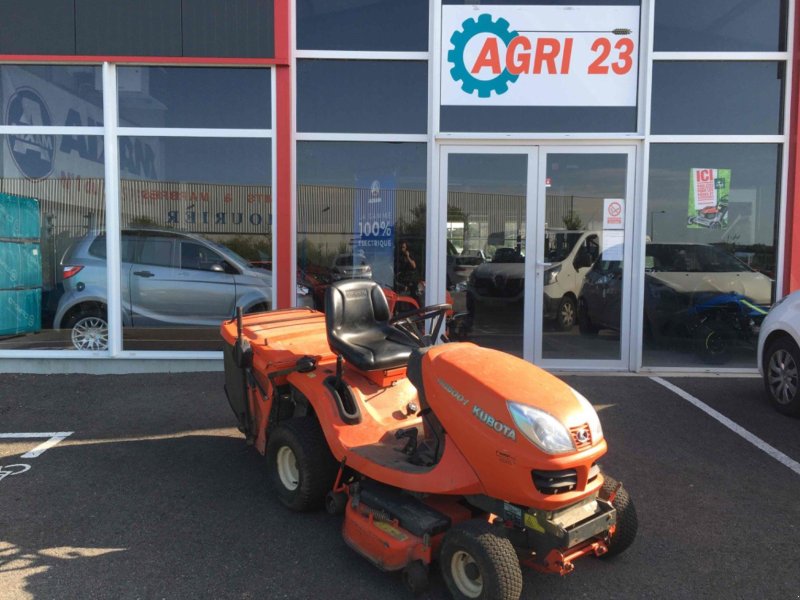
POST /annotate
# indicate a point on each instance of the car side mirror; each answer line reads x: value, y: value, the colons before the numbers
x: 218, y: 268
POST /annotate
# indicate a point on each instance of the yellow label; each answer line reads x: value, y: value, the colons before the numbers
x: 391, y: 530
x: 532, y: 523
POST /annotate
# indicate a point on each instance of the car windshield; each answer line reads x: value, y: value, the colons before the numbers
x: 228, y: 252
x: 558, y: 245
x: 507, y: 255
x: 692, y: 258
x: 347, y: 261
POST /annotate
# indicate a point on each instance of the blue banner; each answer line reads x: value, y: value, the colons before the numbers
x: 373, y: 226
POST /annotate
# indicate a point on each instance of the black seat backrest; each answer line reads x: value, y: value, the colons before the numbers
x: 357, y: 319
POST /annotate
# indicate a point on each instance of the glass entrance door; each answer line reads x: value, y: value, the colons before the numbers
x: 485, y: 202
x: 583, y: 256
x: 536, y: 251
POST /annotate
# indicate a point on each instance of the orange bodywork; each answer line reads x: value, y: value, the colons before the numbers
x: 467, y: 388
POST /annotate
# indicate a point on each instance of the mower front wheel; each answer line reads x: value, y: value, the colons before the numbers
x: 301, y: 466
x: 627, y: 521
x: 415, y: 577
x: 477, y: 564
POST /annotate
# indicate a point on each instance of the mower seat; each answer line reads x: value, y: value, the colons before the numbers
x: 357, y: 320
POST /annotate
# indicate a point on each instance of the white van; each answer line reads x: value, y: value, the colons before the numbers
x: 500, y: 283
x: 570, y: 255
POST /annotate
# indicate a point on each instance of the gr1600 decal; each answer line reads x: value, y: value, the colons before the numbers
x: 539, y: 55
x: 479, y: 413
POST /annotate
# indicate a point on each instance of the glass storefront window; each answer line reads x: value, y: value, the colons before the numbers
x: 711, y: 252
x: 717, y: 97
x: 486, y: 247
x: 384, y: 25
x: 358, y: 96
x: 720, y: 25
x: 196, y: 237
x: 51, y: 207
x: 194, y: 97
x: 358, y: 204
x: 45, y: 95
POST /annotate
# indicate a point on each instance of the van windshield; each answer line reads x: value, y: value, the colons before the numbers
x: 558, y: 245
x: 692, y: 258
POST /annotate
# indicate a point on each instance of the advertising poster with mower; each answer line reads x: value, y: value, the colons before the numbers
x: 709, y: 190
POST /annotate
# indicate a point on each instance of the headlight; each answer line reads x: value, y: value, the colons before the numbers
x: 591, y: 417
x: 551, y: 275
x: 302, y: 290
x: 541, y: 428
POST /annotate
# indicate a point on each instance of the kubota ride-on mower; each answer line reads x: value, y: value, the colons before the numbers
x: 447, y: 452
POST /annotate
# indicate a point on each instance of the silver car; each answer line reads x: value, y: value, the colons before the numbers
x: 169, y: 279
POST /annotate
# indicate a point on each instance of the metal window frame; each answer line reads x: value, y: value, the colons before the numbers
x: 111, y: 132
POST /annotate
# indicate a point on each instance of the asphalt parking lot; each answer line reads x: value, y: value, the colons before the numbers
x: 155, y: 495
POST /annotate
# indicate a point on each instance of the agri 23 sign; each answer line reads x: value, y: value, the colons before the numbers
x: 539, y: 55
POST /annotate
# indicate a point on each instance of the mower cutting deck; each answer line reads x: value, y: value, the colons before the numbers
x: 447, y: 452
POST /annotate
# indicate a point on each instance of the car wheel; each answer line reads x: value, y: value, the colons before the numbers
x: 476, y: 563
x: 566, y: 317
x: 89, y: 330
x: 781, y: 370
x: 301, y: 466
x: 585, y: 325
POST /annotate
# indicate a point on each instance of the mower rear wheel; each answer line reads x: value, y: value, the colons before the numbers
x: 301, y: 466
x: 477, y: 564
x: 627, y: 521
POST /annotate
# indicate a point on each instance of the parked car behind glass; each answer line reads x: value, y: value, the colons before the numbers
x: 168, y: 279
x: 350, y: 266
x: 695, y: 293
x: 501, y: 282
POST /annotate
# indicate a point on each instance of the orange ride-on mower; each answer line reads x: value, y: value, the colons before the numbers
x: 447, y: 452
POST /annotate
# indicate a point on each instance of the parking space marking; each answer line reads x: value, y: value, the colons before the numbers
x: 53, y: 439
x: 16, y: 469
x: 735, y: 427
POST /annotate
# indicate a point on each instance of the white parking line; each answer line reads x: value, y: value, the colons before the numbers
x: 53, y: 439
x: 736, y: 428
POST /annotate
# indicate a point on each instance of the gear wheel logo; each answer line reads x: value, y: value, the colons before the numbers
x: 460, y: 39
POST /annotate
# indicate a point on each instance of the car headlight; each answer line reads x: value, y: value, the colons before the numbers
x: 591, y: 417
x: 541, y: 428
x: 302, y: 290
x: 551, y: 275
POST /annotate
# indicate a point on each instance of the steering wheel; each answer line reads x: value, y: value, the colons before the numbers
x: 410, y: 323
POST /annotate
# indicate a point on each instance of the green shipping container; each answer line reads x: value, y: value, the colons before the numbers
x: 20, y: 266
x: 19, y: 217
x: 20, y: 311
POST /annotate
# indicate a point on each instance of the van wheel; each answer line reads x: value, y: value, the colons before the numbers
x: 301, y: 467
x: 89, y: 329
x: 477, y: 564
x: 566, y: 317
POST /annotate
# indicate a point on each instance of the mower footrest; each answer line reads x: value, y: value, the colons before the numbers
x: 413, y: 514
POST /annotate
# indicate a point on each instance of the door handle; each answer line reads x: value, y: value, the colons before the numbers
x: 143, y: 273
